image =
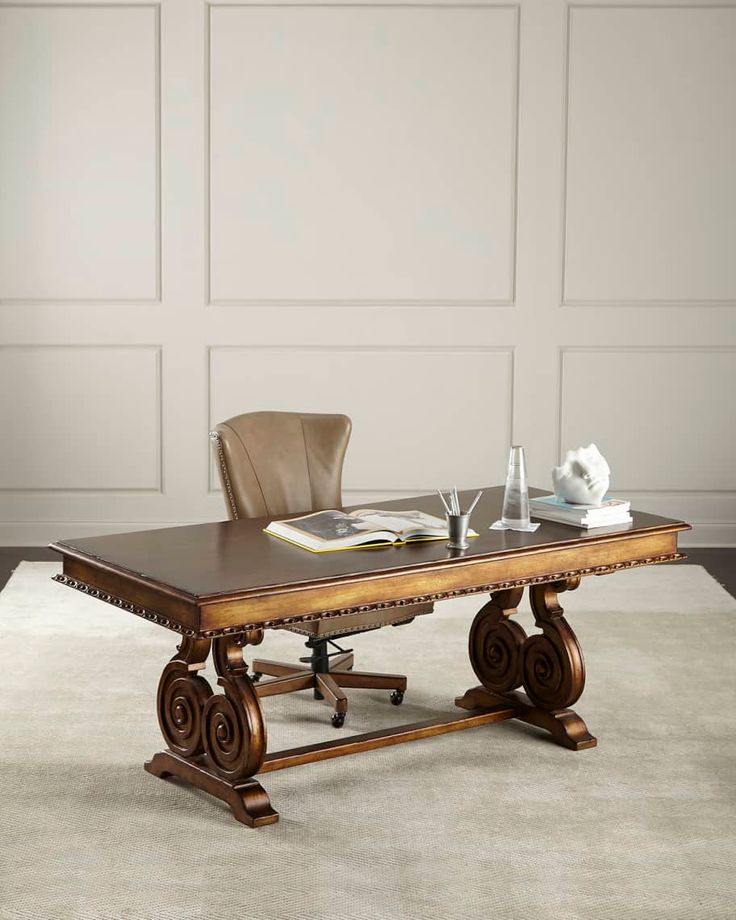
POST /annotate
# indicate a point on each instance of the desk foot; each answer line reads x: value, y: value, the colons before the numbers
x: 248, y: 800
x: 565, y: 726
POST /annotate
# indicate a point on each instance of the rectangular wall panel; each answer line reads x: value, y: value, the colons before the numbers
x: 78, y: 153
x: 80, y: 418
x: 362, y: 153
x: 663, y: 419
x: 422, y: 418
x: 651, y: 147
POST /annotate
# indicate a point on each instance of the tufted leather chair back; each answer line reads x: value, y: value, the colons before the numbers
x: 273, y: 463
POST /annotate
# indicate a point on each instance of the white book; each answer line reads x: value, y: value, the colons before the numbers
x: 607, y: 513
x: 584, y: 524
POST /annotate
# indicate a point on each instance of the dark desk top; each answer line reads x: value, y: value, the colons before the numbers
x: 205, y: 560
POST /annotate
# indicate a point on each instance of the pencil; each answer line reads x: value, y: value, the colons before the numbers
x: 474, y: 502
x: 442, y: 498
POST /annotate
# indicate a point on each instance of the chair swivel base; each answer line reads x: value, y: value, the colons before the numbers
x: 327, y: 684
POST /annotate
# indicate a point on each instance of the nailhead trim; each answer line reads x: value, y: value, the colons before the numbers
x: 280, y: 622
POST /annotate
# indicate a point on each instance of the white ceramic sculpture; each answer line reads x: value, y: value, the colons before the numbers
x: 583, y: 478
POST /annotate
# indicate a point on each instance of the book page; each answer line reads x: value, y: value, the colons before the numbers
x: 401, y: 521
x: 330, y: 525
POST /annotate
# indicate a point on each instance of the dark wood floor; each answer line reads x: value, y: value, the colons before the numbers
x: 10, y: 556
x: 721, y: 563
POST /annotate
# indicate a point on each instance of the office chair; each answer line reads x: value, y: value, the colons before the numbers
x: 276, y: 463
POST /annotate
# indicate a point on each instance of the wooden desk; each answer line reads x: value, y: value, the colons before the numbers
x: 221, y: 585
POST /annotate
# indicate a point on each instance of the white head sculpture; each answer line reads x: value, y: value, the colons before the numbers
x: 583, y: 478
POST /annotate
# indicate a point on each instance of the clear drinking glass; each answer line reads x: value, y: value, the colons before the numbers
x: 516, y: 497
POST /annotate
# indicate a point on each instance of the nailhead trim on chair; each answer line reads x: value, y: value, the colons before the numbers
x: 217, y: 440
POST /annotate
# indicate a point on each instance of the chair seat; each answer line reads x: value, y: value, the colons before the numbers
x: 360, y: 622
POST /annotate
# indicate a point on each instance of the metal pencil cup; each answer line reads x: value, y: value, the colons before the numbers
x: 457, y: 528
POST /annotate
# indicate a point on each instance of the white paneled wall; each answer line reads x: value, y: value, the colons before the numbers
x: 362, y: 154
x: 651, y: 148
x: 461, y: 224
x: 50, y: 447
x: 78, y: 156
x: 407, y: 427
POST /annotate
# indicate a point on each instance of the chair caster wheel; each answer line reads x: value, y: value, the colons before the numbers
x: 338, y: 719
x: 256, y: 676
x: 397, y: 697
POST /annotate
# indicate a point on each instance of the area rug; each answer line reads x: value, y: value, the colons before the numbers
x: 494, y: 823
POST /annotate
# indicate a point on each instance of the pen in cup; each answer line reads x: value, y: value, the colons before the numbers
x: 474, y: 502
x: 457, y: 519
x: 442, y: 499
x: 451, y: 503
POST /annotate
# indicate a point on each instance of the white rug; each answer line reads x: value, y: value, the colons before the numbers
x: 493, y: 823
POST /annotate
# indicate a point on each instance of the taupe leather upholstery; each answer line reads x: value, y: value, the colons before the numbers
x: 353, y: 623
x: 273, y: 463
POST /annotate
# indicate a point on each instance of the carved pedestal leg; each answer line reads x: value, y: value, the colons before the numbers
x: 549, y: 665
x: 182, y: 694
x: 216, y: 741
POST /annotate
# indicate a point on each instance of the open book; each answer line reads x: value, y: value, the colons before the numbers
x: 328, y: 531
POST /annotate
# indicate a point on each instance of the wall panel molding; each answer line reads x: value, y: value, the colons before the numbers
x: 378, y: 350
x: 87, y: 422
x: 648, y: 492
x: 156, y: 296
x: 644, y: 301
x: 353, y: 302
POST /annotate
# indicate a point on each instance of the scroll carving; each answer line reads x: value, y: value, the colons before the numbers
x: 234, y: 732
x: 553, y: 669
x: 233, y: 728
x: 227, y: 728
x: 182, y: 695
x: 549, y: 665
x: 496, y: 642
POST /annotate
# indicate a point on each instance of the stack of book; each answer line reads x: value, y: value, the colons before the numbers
x: 609, y: 513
